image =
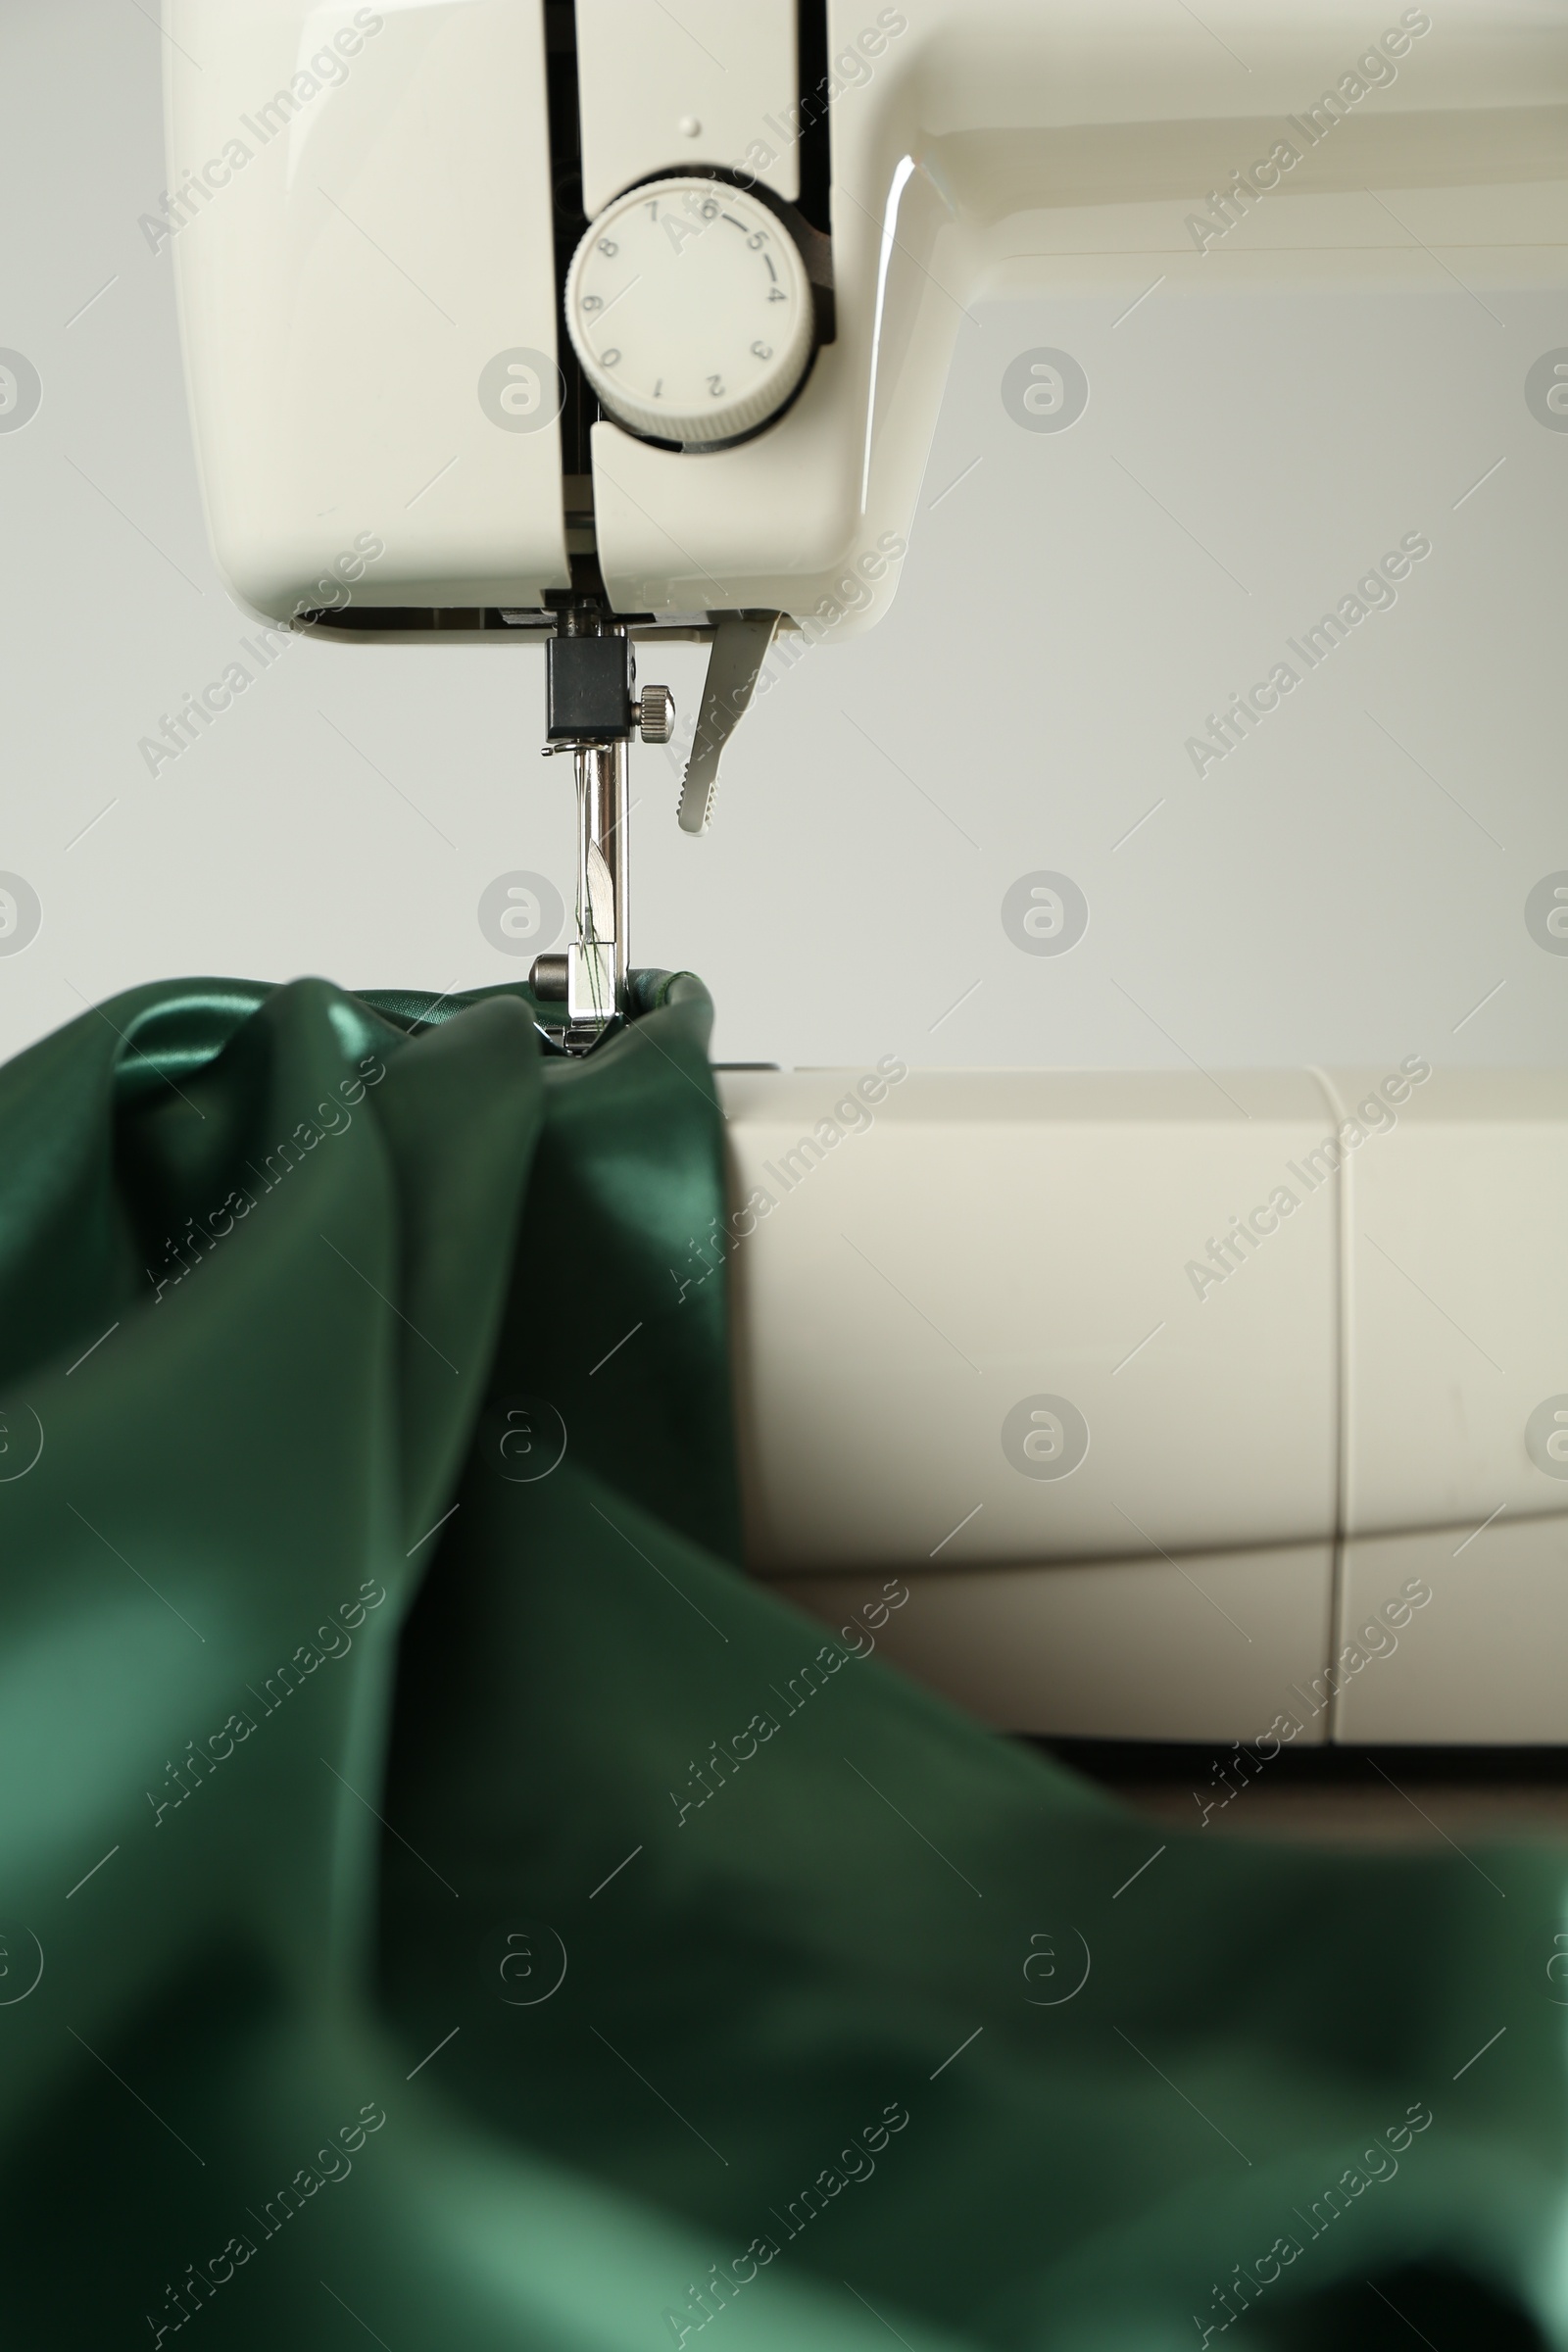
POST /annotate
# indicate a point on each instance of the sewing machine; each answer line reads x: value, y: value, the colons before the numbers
x: 618, y: 325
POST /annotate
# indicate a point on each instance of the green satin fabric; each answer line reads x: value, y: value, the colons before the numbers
x: 331, y: 1736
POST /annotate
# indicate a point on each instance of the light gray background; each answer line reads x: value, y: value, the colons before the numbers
x: 1072, y: 606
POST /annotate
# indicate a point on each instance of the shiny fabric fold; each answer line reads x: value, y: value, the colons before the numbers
x: 444, y: 1901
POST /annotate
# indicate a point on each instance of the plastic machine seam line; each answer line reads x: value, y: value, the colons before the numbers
x: 1345, y: 1177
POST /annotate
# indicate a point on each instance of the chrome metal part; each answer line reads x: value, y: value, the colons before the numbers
x: 655, y: 714
x: 592, y: 714
x: 597, y: 962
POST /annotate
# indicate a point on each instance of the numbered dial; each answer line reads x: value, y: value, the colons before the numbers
x: 691, y: 311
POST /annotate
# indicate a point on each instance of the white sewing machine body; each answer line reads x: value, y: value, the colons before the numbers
x: 378, y: 231
x: 1175, y: 1404
x: 1167, y: 1390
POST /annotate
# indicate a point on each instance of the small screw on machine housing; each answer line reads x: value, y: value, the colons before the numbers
x: 655, y: 714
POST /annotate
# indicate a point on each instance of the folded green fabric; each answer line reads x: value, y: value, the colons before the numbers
x: 443, y: 1902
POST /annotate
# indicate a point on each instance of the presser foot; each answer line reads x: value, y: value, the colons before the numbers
x: 573, y: 1042
x: 583, y: 983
